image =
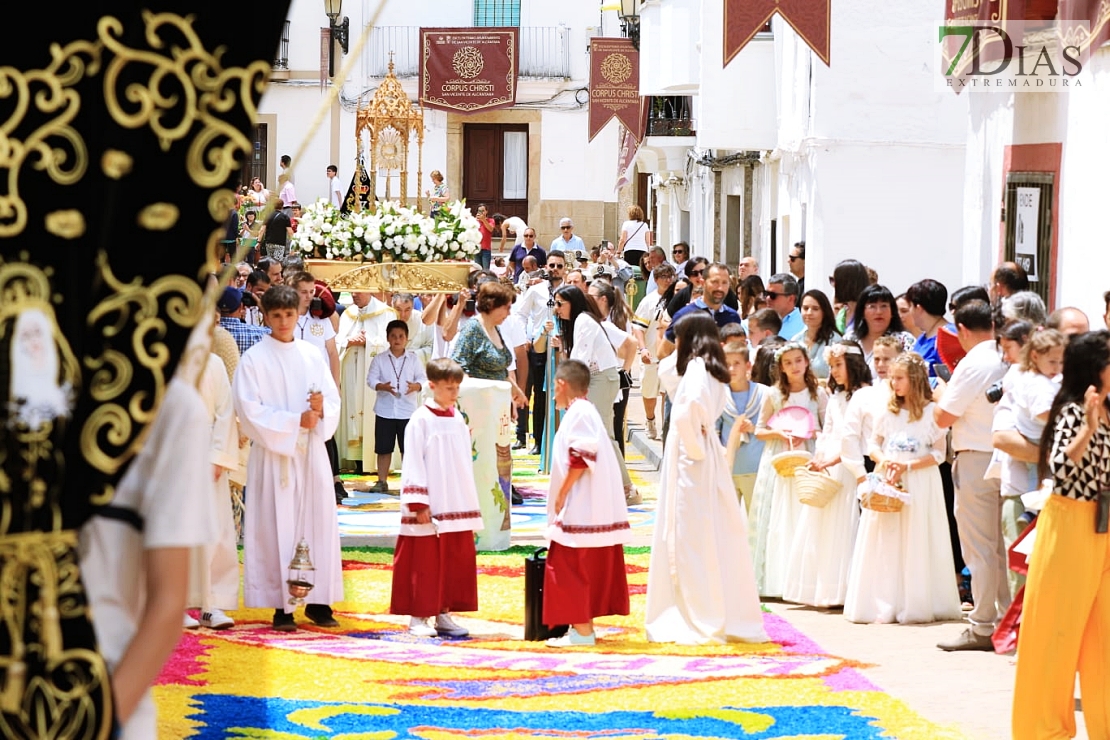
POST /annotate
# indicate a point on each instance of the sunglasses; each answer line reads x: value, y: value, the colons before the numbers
x: 698, y: 273
x: 772, y: 295
x: 566, y: 228
x: 554, y: 266
x: 793, y: 257
x: 529, y: 236
x: 679, y: 251
x: 560, y: 304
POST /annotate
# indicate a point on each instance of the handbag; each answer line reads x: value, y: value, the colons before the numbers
x: 534, y: 628
x: 625, y: 379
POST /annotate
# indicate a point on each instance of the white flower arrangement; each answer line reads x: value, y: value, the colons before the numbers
x: 391, y: 233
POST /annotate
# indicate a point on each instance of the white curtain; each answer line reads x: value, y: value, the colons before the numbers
x: 516, y: 165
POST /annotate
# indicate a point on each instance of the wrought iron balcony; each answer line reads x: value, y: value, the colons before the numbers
x: 544, y: 51
x: 671, y: 115
x: 281, y: 59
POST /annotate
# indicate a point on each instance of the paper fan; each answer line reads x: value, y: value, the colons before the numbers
x: 796, y: 421
x: 949, y: 348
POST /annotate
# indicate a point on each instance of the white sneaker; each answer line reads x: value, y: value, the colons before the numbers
x: 215, y: 619
x: 652, y: 432
x: 190, y: 623
x: 419, y: 627
x: 448, y: 628
x: 572, y: 639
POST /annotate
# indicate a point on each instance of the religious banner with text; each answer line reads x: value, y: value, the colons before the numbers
x: 745, y: 18
x: 615, y: 86
x: 467, y: 70
x: 959, y: 59
x: 1096, y: 12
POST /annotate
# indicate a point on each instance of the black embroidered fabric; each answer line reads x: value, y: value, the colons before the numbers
x: 125, y: 126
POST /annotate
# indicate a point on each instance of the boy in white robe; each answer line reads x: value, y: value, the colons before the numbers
x: 214, y: 568
x: 587, y: 517
x: 434, y: 563
x: 288, y: 405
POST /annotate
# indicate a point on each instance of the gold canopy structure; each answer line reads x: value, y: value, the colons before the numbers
x: 393, y: 122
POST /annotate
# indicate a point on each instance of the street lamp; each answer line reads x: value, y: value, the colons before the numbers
x: 630, y: 21
x: 339, y: 31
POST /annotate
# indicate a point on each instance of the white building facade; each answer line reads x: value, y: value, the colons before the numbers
x: 1055, y: 143
x: 537, y: 153
x: 862, y: 159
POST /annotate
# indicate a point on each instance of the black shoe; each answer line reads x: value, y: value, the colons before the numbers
x: 340, y: 493
x: 284, y: 622
x: 534, y: 451
x: 321, y: 615
x: 520, y: 444
x: 516, y: 497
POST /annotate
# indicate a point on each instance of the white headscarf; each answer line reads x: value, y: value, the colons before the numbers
x: 35, y: 396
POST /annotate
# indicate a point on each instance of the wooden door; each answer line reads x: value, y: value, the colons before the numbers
x: 495, y: 168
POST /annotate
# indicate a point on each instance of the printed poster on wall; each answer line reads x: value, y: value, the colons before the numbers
x: 467, y: 70
x: 1027, y: 229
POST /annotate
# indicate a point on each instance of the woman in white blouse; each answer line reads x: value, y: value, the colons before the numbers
x: 582, y: 337
x: 635, y: 236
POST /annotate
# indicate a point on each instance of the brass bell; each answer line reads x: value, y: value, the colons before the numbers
x: 302, y: 574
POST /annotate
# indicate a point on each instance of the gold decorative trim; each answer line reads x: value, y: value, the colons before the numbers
x: 67, y: 224
x: 109, y: 437
x: 116, y: 164
x: 159, y: 216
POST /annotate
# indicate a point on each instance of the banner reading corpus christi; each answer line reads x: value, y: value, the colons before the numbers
x: 466, y: 70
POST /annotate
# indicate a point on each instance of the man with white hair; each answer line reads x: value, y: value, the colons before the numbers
x: 567, y: 241
x: 748, y: 266
x: 421, y: 337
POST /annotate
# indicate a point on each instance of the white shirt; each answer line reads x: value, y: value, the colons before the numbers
x: 532, y: 307
x: 591, y: 345
x: 161, y: 485
x: 636, y: 231
x: 647, y: 317
x: 398, y: 372
x: 316, y: 332
x: 516, y: 225
x: 1032, y: 394
x: 966, y: 398
x: 335, y: 195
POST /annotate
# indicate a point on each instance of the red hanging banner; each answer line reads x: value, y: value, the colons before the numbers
x: 745, y: 18
x: 1096, y: 12
x: 615, y: 86
x: 467, y: 70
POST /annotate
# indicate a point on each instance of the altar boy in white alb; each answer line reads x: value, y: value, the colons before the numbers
x: 587, y: 517
x: 288, y: 405
x: 434, y: 563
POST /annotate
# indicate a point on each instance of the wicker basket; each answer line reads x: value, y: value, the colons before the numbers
x: 879, y: 502
x: 786, y: 463
x: 815, y: 488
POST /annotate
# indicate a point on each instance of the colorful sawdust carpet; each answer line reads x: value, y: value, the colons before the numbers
x: 370, y: 679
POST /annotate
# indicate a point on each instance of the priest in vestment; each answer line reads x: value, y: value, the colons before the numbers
x: 291, y: 494
x: 421, y: 337
x: 359, y: 339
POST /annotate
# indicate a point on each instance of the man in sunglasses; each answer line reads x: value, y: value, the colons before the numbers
x: 532, y: 308
x: 567, y: 241
x: 526, y: 247
x: 797, y: 260
x: 782, y: 295
x: 717, y: 281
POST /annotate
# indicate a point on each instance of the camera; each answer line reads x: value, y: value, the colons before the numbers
x: 471, y: 303
x: 994, y: 393
x: 542, y: 274
x: 249, y: 300
x: 316, y: 306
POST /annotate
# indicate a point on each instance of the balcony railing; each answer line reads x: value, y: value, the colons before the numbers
x: 281, y: 59
x: 544, y: 51
x: 671, y: 115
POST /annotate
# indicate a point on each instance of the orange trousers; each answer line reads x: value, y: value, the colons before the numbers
x: 1065, y: 627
